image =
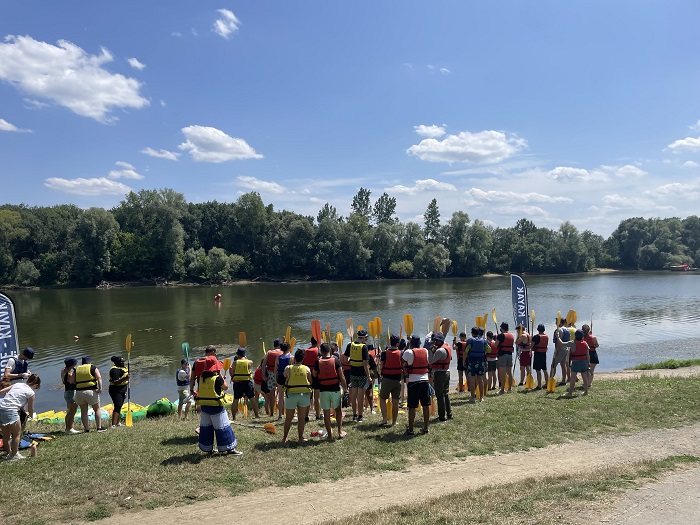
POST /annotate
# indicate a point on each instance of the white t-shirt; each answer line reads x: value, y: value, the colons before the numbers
x: 17, y: 397
x: 11, y: 362
x: 412, y: 378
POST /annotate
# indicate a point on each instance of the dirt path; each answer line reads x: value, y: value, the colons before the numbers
x: 455, y: 476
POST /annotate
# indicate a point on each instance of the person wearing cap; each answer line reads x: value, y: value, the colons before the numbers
x: 17, y: 396
x: 68, y: 380
x: 17, y: 367
x: 561, y: 352
x: 268, y: 374
x: 390, y: 369
x: 281, y: 363
x: 182, y: 378
x: 88, y: 385
x: 540, y: 341
x: 329, y: 373
x: 416, y: 361
x: 298, y: 382
x: 213, y: 418
x: 242, y: 376
x: 439, y: 358
x: 523, y: 343
x: 198, y: 366
x: 506, y: 345
x: 474, y: 362
x: 118, y: 386
x: 357, y: 355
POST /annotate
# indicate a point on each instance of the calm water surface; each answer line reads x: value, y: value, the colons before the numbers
x: 637, y: 317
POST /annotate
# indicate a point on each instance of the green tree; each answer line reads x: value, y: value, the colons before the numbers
x: 93, y: 237
x: 433, y: 260
x: 431, y: 219
x: 384, y: 210
x: 10, y: 230
x: 360, y: 203
x: 327, y: 212
x: 26, y: 273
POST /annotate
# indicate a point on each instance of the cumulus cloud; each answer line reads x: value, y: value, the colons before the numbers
x: 569, y: 174
x: 127, y: 171
x: 445, y: 71
x: 124, y: 165
x: 253, y: 183
x: 161, y: 153
x: 628, y: 170
x: 483, y: 147
x: 421, y: 186
x: 207, y: 144
x: 695, y: 127
x: 686, y: 144
x: 226, y: 24
x: 690, y: 164
x: 68, y: 76
x: 91, y: 187
x: 134, y: 62
x: 476, y: 196
x: 432, y: 131
x: 6, y: 126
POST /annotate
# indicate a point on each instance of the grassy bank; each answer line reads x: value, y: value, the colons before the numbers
x: 669, y: 364
x: 550, y: 501
x: 157, y: 462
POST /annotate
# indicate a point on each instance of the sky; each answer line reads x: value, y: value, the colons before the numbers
x: 587, y: 112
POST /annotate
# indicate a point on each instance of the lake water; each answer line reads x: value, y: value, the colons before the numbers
x: 637, y: 317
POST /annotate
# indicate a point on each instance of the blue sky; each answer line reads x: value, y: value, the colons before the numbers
x: 554, y: 111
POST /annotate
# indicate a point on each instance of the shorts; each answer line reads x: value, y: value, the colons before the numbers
x: 560, y: 356
x: 281, y: 380
x: 87, y: 397
x: 539, y: 362
x: 460, y: 365
x: 182, y: 395
x: 300, y: 400
x: 262, y: 387
x: 69, y: 397
x: 315, y: 383
x: 475, y: 368
x: 330, y: 400
x: 271, y: 382
x: 257, y: 388
x: 492, y: 366
x: 579, y: 367
x: 418, y: 391
x: 505, y: 361
x: 243, y: 388
x: 526, y: 359
x: 357, y: 382
x: 594, y: 357
x: 8, y: 416
x: 390, y: 387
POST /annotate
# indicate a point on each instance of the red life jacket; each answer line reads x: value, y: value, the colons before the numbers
x: 327, y: 374
x: 420, y: 362
x: 525, y: 347
x: 392, y: 366
x: 581, y: 351
x: 272, y: 356
x: 542, y: 345
x: 507, y: 344
x: 492, y: 351
x: 310, y: 356
x: 460, y: 348
x: 443, y: 364
x: 257, y: 376
x: 589, y: 339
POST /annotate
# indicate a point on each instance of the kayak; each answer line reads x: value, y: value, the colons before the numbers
x: 52, y: 417
x: 160, y: 407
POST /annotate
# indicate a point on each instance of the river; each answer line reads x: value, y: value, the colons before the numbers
x: 637, y: 317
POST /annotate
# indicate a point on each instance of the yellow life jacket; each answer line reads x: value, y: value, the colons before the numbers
x: 241, y: 372
x: 298, y: 380
x: 123, y: 380
x: 356, y: 354
x: 206, y: 395
x: 84, y: 380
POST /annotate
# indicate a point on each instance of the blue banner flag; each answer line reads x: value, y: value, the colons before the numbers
x: 518, y: 292
x: 9, y: 343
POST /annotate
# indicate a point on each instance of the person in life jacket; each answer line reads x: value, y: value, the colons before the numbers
x: 579, y: 361
x: 561, y: 352
x: 118, y: 385
x: 213, y: 418
x: 329, y: 374
x: 523, y: 342
x: 593, y: 349
x: 268, y: 374
x: 68, y: 380
x: 459, y: 348
x: 506, y: 345
x: 391, y: 370
x: 182, y: 378
x: 439, y: 358
x: 540, y: 341
x: 357, y: 356
x: 88, y: 385
x: 242, y: 378
x: 298, y: 385
x: 416, y: 361
x: 491, y: 360
x: 372, y: 357
x: 475, y: 359
x: 281, y: 363
x: 310, y: 358
x: 17, y: 367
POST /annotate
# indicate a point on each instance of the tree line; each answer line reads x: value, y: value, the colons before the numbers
x: 157, y: 234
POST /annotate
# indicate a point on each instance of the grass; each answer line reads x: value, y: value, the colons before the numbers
x: 157, y: 463
x: 550, y: 501
x: 669, y: 364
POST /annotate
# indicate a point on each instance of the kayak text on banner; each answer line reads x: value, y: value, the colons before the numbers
x: 9, y: 344
x: 519, y: 294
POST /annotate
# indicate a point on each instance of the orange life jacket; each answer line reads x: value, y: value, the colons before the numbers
x: 420, y: 362
x: 443, y: 364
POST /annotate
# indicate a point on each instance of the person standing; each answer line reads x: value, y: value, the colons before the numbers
x: 213, y: 418
x: 416, y: 360
x: 561, y: 352
x: 372, y: 355
x: 506, y: 343
x: 357, y: 355
x: 182, y: 378
x: 439, y: 360
x: 198, y: 366
x: 459, y: 347
x: 329, y: 373
x: 281, y: 363
x: 540, y: 341
x: 474, y: 360
x: 118, y: 385
x: 242, y: 377
x: 298, y: 382
x: 68, y: 380
x: 390, y: 370
x: 491, y: 360
x: 17, y: 367
x: 17, y: 396
x: 310, y: 358
x: 592, y: 349
x: 523, y: 343
x: 88, y: 386
x: 579, y: 361
x: 268, y: 373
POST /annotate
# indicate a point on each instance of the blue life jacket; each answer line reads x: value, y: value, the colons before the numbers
x: 21, y: 367
x: 283, y: 362
x: 477, y: 350
x: 181, y: 383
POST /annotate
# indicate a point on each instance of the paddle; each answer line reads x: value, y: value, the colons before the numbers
x: 339, y: 341
x: 242, y: 339
x: 477, y: 321
x: 532, y: 319
x: 591, y: 323
x: 455, y: 328
x: 227, y: 364
x: 436, y: 324
x: 408, y: 324
x: 267, y: 427
x: 445, y: 325
x: 328, y: 332
x: 129, y: 417
x: 350, y: 329
x: 292, y: 343
x: 493, y: 316
x: 552, y: 382
x: 316, y: 330
x: 484, y: 320
x: 186, y: 350
x: 288, y: 334
x: 378, y: 331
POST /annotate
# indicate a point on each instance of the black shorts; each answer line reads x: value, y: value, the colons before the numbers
x: 418, y: 392
x: 315, y: 383
x: 263, y: 388
x: 118, y: 395
x: 491, y: 366
x: 594, y: 357
x: 243, y: 388
x: 346, y: 373
x: 460, y: 365
x: 540, y: 361
x: 280, y: 380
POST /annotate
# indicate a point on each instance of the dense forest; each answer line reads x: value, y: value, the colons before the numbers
x: 157, y: 234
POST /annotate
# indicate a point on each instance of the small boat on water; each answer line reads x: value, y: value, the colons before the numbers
x: 682, y: 268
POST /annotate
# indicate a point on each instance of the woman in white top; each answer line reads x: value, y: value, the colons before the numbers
x: 16, y: 397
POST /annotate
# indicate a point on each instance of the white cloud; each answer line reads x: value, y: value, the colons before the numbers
x: 688, y: 143
x: 476, y: 196
x: 432, y: 131
x: 695, y: 127
x: 532, y: 210
x: 134, y: 62
x: 421, y: 186
x: 161, y: 153
x: 127, y: 172
x: 68, y: 76
x: 260, y: 185
x: 207, y: 144
x: 94, y: 186
x: 625, y: 171
x: 568, y: 174
x: 226, y: 24
x: 124, y: 165
x: 445, y: 71
x: 6, y: 126
x: 483, y: 147
x: 690, y: 164
x: 34, y: 104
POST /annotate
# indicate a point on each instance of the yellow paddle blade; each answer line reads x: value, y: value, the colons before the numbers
x: 339, y: 340
x: 128, y: 344
x: 445, y: 325
x: 558, y: 319
x: 323, y: 337
x: 455, y: 328
x: 388, y: 333
x: 575, y: 316
x: 129, y: 418
x: 360, y: 327
x: 408, y: 324
x: 484, y: 320
x: 551, y: 384
x: 477, y: 391
x: 378, y: 325
x: 288, y: 334
x: 292, y: 343
x: 570, y: 317
x: 529, y: 382
x: 436, y: 324
x: 350, y: 329
x: 370, y: 328
x: 477, y: 321
x: 227, y: 364
x: 242, y: 339
x: 270, y: 428
x: 493, y: 316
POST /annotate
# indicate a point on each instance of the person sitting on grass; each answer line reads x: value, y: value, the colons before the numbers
x: 17, y: 396
x: 298, y: 383
x: 329, y: 373
x: 242, y: 377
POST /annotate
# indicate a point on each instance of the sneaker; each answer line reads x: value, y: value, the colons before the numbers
x: 72, y: 431
x: 425, y: 431
x: 409, y: 432
x: 360, y: 419
x: 15, y: 457
x: 234, y: 452
x: 102, y: 429
x: 354, y: 417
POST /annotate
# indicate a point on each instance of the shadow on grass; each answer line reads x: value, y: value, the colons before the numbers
x: 180, y: 440
x: 278, y: 445
x: 192, y: 458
